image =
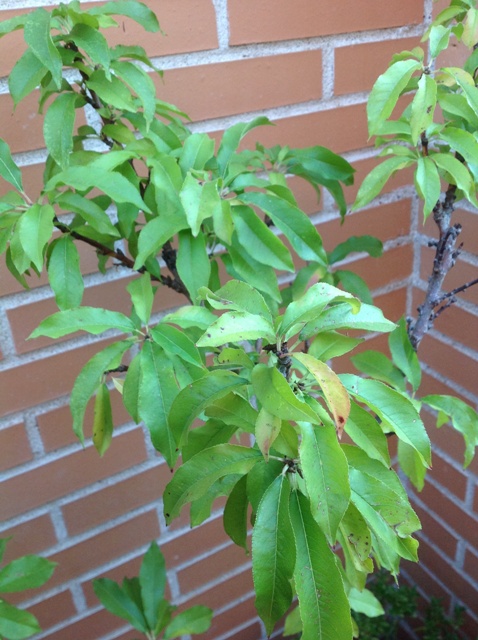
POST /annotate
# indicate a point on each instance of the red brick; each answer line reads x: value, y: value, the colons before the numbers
x: 93, y: 627
x: 112, y: 501
x: 211, y: 568
x: 104, y: 547
x: 185, y: 547
x: 469, y: 234
x: 271, y: 20
x: 358, y: 66
x: 458, y: 276
x: 448, y: 476
x: 394, y: 265
x: 436, y: 532
x: 231, y: 618
x: 54, y: 610
x: 60, y: 477
x: 231, y: 589
x: 14, y: 447
x: 450, y: 363
x: 452, y: 322
x: 30, y: 537
x: 422, y: 579
x: 455, y: 516
x: 211, y: 91
x: 471, y: 563
x: 32, y: 178
x: 392, y: 304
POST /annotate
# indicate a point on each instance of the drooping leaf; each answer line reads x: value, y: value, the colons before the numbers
x: 102, y: 420
x: 16, y: 624
x: 238, y: 296
x: 273, y: 557
x: 324, y: 607
x: 393, y: 408
x: 457, y: 172
x: 365, y: 602
x: 35, y: 228
x: 90, y: 319
x: 275, y: 394
x: 193, y: 264
x: 8, y: 169
x: 37, y: 32
x: 377, y: 178
x: 64, y: 273
x: 235, y: 514
x: 157, y: 391
x: 356, y: 244
x: 427, y: 182
x: 194, y: 398
x: 231, y: 139
x: 376, y: 364
x: 335, y: 394
x: 194, y: 477
x: 237, y: 326
x: 58, y: 127
x: 89, y: 210
x: 332, y: 344
x: 268, y: 428
x: 154, y: 235
x: 365, y: 431
x: 93, y: 43
x: 411, y: 465
x: 142, y: 295
x: 25, y: 76
x: 117, y: 602
x: 423, y: 106
x: 176, y: 342
x: 26, y: 572
x: 404, y: 355
x: 233, y: 409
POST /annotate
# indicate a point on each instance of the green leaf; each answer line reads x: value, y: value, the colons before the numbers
x: 231, y: 139
x: 24, y: 573
x: 137, y: 11
x: 462, y: 141
x: 259, y: 241
x: 131, y: 386
x: 273, y: 557
x: 375, y: 364
x: 112, y: 91
x: 374, y: 182
x: 387, y: 90
x: 439, y: 37
x: 233, y: 409
x: 456, y: 172
x: 311, y: 305
x: 154, y: 234
x: 325, y: 471
x: 356, y: 540
x: 236, y: 326
x: 404, y: 355
x: 396, y: 410
x: 197, y: 150
x: 342, y: 316
x: 324, y: 607
x: 365, y: 431
x: 427, y: 182
x: 194, y: 398
x: 293, y: 223
x: 37, y: 32
x: 93, y: 43
x: 142, y: 84
x: 152, y: 580
x: 12, y: 24
x: 275, y: 394
x: 157, y: 391
x: 201, y: 508
x: 267, y: 429
x: 176, y: 342
x: 64, y: 273
x: 142, y: 296
x: 332, y: 345
x: 194, y: 620
x: 194, y: 477
x: 16, y: 624
x: 35, y: 228
x: 102, y: 420
x: 354, y: 284
x: 90, y: 378
x: 89, y: 210
x: 423, y: 107
x: 356, y: 244
x: 115, y: 185
x: 117, y: 602
x: 335, y: 394
x: 58, y: 128
x: 411, y: 465
x: 193, y: 265
x: 190, y: 316
x: 463, y: 418
x: 238, y: 296
x: 235, y: 514
x: 25, y: 76
x: 244, y: 267
x: 90, y: 319
x: 365, y: 602
x: 8, y: 169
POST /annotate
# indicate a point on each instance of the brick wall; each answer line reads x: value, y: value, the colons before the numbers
x: 308, y: 65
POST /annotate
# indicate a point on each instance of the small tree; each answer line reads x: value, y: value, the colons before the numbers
x: 243, y: 357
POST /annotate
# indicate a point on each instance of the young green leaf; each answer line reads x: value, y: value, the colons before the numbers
x: 93, y: 43
x: 25, y: 76
x: 90, y: 379
x: 197, y: 150
x: 423, y: 106
x: 142, y: 295
x: 377, y: 178
x: 376, y: 364
x: 325, y: 472
x: 142, y: 84
x: 268, y: 428
x: 365, y: 431
x: 273, y: 557
x: 193, y: 399
x: 58, y: 128
x: 393, y: 408
x: 411, y: 465
x: 154, y: 235
x: 324, y: 607
x: 404, y: 355
x: 152, y: 580
x: 90, y: 319
x: 37, y: 32
x: 332, y: 344
x: 193, y: 264
x: 439, y: 37
x: 102, y: 420
x: 137, y: 11
x: 356, y: 244
x: 237, y: 326
x: 386, y: 91
x: 26, y: 572
x: 90, y: 211
x: 64, y: 273
x: 197, y: 619
x: 335, y: 394
x: 231, y: 139
x: 117, y: 602
x: 156, y: 394
x: 16, y: 624
x: 365, y: 602
x: 235, y: 514
x: 35, y: 228
x: 8, y: 169
x: 457, y: 173
x: 194, y: 477
x: 427, y: 183
x: 275, y: 394
x: 176, y: 342
x: 236, y: 295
